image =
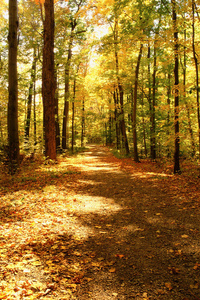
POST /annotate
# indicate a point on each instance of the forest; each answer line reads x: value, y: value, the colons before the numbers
x: 120, y: 73
x: 99, y: 150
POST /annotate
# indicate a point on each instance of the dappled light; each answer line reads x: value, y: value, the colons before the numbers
x: 99, y: 150
x: 94, y: 226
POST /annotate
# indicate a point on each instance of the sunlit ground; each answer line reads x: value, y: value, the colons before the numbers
x: 37, y: 216
x: 42, y: 218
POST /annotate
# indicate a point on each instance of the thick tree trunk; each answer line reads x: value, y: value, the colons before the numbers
x: 134, y: 123
x: 176, y: 90
x: 48, y: 81
x: 13, y: 136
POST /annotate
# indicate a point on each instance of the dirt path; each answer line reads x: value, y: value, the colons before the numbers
x: 145, y: 242
x: 102, y: 231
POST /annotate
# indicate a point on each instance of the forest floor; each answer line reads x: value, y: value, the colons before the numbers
x: 95, y: 227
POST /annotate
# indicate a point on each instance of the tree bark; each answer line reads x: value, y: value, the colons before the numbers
x: 57, y: 111
x: 185, y: 98
x: 197, y: 71
x: 67, y: 73
x: 13, y: 135
x: 143, y: 120
x: 153, y: 123
x: 176, y: 90
x: 168, y: 112
x: 116, y: 119
x: 48, y: 81
x: 120, y: 90
x: 134, y: 123
x: 73, y: 114
x: 30, y: 97
x: 83, y: 122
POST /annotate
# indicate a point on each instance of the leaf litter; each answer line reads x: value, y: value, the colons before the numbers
x: 52, y: 248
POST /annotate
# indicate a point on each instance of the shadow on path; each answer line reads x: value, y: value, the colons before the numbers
x: 124, y: 238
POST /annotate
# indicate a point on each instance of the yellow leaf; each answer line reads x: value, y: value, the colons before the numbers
x: 168, y: 286
x: 36, y: 263
x: 96, y: 264
x: 88, y: 279
x: 112, y: 270
x: 184, y: 236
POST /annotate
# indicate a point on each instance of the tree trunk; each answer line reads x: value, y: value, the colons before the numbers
x: 150, y: 97
x: 197, y: 71
x: 83, y: 122
x: 116, y: 120
x: 48, y: 81
x: 110, y: 124
x: 56, y: 111
x: 168, y: 112
x: 153, y: 124
x: 73, y: 113
x: 120, y: 90
x: 143, y: 120
x: 185, y: 98
x: 67, y: 73
x: 134, y: 123
x: 34, y: 116
x: 30, y: 97
x: 176, y: 90
x: 122, y: 121
x: 13, y: 136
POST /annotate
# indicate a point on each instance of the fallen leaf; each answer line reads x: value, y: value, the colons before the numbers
x: 184, y: 236
x: 194, y: 286
x: 144, y: 295
x: 95, y: 264
x: 119, y: 255
x: 174, y: 270
x: 112, y: 270
x: 168, y: 286
x: 197, y: 265
x: 89, y: 279
x: 160, y: 291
